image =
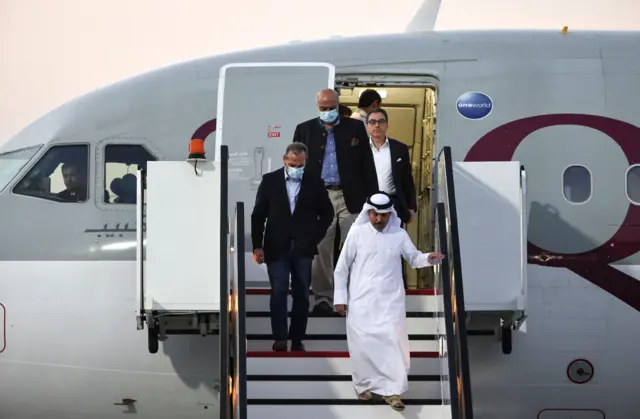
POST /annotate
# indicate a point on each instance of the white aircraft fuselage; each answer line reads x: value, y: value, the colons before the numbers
x: 69, y: 347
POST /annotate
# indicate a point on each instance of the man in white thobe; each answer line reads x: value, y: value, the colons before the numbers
x: 370, y: 291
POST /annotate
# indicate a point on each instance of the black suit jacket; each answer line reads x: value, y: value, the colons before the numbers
x: 355, y: 161
x: 405, y: 196
x: 306, y: 226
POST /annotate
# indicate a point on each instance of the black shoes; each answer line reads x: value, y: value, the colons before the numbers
x: 297, y: 347
x: 323, y: 308
x: 281, y: 346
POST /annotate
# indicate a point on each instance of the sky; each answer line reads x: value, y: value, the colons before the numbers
x: 54, y: 50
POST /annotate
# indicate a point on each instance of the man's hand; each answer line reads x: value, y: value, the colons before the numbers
x: 435, y: 258
x: 341, y: 309
x: 412, y: 214
x: 258, y: 256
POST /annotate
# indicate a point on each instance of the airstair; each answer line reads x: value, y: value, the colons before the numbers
x: 189, y: 283
x: 317, y: 383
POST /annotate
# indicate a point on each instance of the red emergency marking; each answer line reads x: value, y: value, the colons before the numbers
x: 273, y: 134
x: 3, y: 324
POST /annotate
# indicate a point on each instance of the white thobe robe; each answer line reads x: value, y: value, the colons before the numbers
x: 375, y: 298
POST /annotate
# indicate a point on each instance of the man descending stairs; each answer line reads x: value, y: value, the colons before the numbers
x: 317, y: 383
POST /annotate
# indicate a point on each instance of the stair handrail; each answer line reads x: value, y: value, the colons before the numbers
x: 446, y: 224
x: 224, y: 319
x: 238, y: 335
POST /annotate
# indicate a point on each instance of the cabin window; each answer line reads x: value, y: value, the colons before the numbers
x: 121, y: 163
x: 576, y: 184
x: 61, y: 175
x: 633, y: 184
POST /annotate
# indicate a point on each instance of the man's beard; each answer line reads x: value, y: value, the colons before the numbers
x: 379, y: 226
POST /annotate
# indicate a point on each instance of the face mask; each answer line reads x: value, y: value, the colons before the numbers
x: 329, y: 116
x: 295, y: 172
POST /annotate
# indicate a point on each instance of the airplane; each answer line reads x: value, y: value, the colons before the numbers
x: 561, y: 103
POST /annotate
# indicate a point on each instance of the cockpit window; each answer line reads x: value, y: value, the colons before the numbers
x: 13, y: 161
x: 121, y: 162
x: 576, y: 184
x: 633, y: 184
x: 61, y: 175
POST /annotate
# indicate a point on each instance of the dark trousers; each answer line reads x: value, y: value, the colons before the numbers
x: 300, y: 270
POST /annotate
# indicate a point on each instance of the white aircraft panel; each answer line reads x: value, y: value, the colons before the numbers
x: 259, y: 107
x: 182, y: 269
x: 490, y: 219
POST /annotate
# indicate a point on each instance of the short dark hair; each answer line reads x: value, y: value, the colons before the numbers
x: 344, y: 110
x: 296, y: 149
x: 378, y: 110
x: 368, y: 97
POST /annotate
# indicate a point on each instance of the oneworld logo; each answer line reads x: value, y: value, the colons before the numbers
x: 474, y: 105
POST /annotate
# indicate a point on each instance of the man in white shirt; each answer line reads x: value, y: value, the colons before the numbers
x: 393, y: 165
x: 369, y: 290
x: 369, y: 99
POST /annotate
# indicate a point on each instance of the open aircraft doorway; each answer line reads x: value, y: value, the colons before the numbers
x: 410, y: 102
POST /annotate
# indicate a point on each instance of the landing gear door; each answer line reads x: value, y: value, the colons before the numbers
x: 259, y: 107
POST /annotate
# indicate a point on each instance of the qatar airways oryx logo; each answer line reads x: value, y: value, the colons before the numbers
x: 474, y: 105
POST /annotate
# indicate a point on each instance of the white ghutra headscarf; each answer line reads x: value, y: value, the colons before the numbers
x: 380, y: 203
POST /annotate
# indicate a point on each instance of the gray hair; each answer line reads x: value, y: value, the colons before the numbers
x: 332, y: 92
x: 296, y: 149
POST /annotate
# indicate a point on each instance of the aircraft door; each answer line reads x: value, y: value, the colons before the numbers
x: 406, y: 107
x: 259, y: 107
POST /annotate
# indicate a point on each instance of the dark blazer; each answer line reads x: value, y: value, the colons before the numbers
x: 405, y: 196
x: 355, y: 161
x: 307, y: 225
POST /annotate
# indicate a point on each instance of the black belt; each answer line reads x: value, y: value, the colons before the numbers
x: 333, y: 187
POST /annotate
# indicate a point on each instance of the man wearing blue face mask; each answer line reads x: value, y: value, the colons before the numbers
x: 297, y: 211
x: 339, y: 155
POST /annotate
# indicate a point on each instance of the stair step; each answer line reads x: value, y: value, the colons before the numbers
x: 324, y: 377
x: 367, y: 411
x: 337, y: 325
x: 312, y: 315
x: 334, y: 336
x: 327, y: 363
x: 339, y: 345
x: 415, y: 303
x: 340, y: 402
x: 335, y: 390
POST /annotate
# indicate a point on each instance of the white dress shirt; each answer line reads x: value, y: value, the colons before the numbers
x: 293, y: 189
x: 382, y: 160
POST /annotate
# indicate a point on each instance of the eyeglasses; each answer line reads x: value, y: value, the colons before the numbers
x: 374, y: 122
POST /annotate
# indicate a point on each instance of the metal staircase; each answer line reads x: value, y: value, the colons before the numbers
x: 320, y: 379
x: 317, y: 384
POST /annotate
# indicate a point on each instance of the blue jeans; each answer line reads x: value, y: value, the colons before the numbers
x: 300, y: 270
